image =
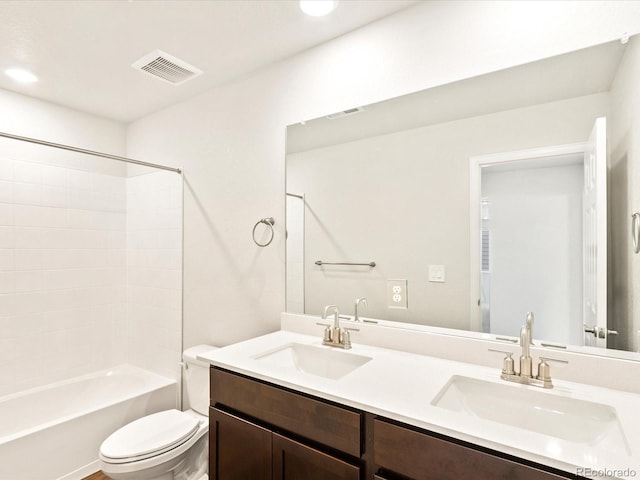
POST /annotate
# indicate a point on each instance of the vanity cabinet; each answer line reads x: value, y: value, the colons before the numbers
x: 261, y: 432
x: 402, y: 452
x: 244, y: 450
x: 240, y: 449
x: 294, y: 460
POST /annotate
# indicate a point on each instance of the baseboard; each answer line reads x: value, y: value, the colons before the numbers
x: 82, y: 472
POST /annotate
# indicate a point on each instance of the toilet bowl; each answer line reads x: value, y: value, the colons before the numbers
x: 168, y: 445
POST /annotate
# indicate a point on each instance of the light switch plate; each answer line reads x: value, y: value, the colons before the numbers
x: 436, y: 273
x: 397, y: 294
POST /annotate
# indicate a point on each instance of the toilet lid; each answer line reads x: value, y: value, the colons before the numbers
x: 153, y: 434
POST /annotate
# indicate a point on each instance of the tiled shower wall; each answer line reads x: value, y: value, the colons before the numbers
x: 154, y: 279
x: 62, y: 272
x: 90, y: 270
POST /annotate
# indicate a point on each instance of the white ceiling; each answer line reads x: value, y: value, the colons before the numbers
x: 82, y: 50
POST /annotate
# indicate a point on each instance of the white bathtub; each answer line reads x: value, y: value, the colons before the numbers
x: 55, y: 431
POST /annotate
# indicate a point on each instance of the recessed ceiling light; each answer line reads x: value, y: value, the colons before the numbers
x: 318, y: 8
x: 21, y: 75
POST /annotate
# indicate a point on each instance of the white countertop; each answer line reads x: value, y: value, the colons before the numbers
x: 401, y: 386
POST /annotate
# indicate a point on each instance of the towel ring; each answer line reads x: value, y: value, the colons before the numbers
x: 267, y: 221
x: 635, y: 232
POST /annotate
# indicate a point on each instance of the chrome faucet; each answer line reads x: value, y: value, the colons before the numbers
x: 362, y: 300
x: 525, y: 375
x: 335, y: 336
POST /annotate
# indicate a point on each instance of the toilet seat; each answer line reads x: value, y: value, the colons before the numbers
x: 149, y: 436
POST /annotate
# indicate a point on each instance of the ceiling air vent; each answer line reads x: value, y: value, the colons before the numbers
x: 166, y: 67
x: 350, y: 111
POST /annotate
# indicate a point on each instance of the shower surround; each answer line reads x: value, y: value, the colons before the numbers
x: 90, y: 268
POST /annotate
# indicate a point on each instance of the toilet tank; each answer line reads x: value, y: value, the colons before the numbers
x: 196, y: 374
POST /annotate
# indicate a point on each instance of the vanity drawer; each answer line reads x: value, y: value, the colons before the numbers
x: 421, y: 456
x: 313, y: 419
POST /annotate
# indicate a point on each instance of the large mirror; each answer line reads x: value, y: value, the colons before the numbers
x: 467, y: 205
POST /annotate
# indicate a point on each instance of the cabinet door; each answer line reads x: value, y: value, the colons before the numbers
x: 239, y: 450
x: 295, y: 461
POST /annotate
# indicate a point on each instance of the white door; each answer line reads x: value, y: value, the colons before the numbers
x: 594, y: 251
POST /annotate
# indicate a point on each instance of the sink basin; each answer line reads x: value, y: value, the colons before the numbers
x: 324, y: 362
x: 565, y: 418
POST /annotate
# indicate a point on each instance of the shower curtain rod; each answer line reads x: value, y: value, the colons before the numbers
x: 88, y: 152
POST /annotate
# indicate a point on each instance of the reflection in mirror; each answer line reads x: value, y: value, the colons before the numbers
x: 474, y: 200
x: 536, y: 209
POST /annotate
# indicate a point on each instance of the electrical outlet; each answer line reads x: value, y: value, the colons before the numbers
x: 397, y: 294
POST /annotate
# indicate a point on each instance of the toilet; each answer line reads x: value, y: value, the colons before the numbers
x: 168, y: 445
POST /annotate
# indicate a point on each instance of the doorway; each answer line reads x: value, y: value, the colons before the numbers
x: 538, y: 233
x: 531, y: 237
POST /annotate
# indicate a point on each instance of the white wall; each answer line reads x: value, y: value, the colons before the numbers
x: 30, y: 117
x: 62, y: 248
x: 624, y: 178
x: 90, y: 251
x: 154, y: 271
x: 402, y: 200
x: 62, y: 272
x: 295, y: 254
x: 231, y: 140
x: 535, y: 220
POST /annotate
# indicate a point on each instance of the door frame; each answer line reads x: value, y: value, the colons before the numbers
x: 475, y: 178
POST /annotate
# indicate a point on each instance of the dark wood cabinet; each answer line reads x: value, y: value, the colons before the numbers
x: 295, y: 461
x: 311, y: 418
x: 419, y: 455
x: 239, y: 449
x: 261, y: 431
x: 242, y: 450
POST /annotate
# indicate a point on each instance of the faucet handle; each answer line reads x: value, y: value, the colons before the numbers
x: 345, y: 338
x: 544, y: 371
x: 327, y: 331
x: 508, y: 365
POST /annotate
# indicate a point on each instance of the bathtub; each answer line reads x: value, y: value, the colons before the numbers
x: 55, y: 431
